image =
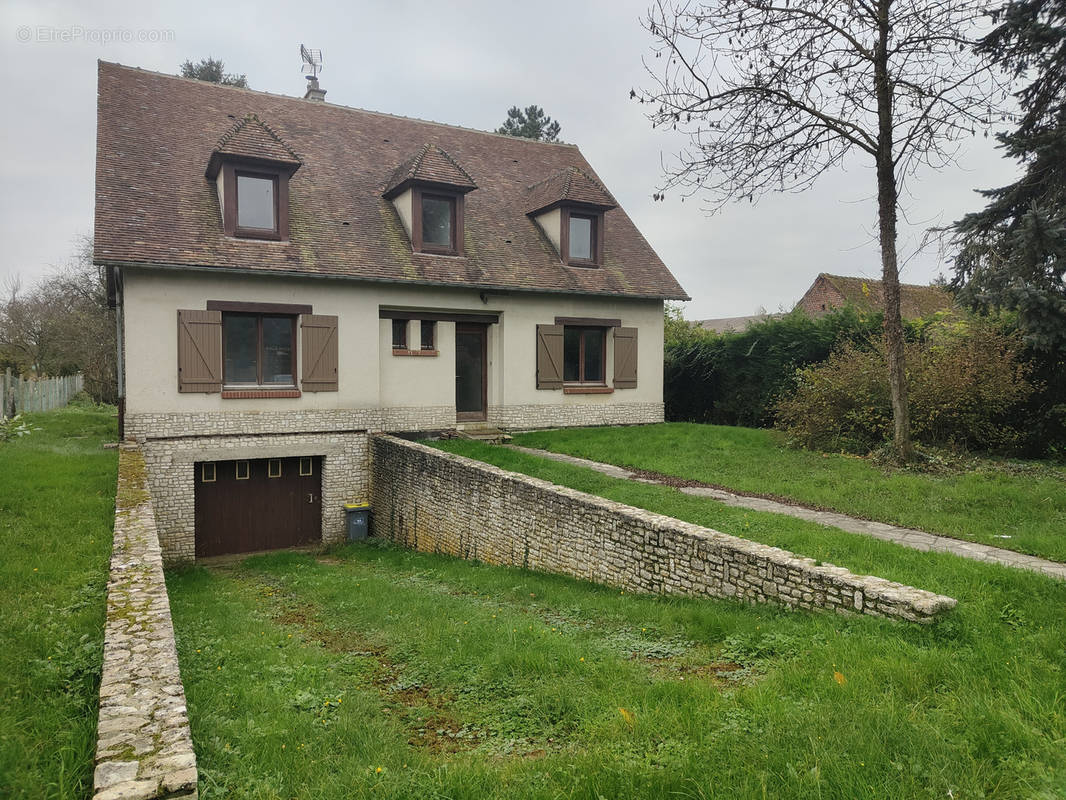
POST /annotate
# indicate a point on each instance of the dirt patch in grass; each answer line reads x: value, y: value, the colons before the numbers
x: 439, y: 732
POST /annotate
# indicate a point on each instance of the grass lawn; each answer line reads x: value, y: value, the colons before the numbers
x: 57, y: 493
x: 377, y: 672
x: 1025, y: 501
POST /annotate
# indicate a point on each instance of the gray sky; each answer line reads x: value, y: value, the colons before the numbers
x: 462, y: 63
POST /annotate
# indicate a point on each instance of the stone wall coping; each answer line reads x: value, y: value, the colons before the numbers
x: 144, y: 744
x: 876, y: 589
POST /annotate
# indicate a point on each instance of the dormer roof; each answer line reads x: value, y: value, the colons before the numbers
x: 251, y: 139
x: 570, y: 185
x: 430, y: 165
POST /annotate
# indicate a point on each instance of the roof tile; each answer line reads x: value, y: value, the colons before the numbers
x: 155, y: 206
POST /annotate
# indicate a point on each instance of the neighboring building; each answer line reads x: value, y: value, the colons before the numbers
x: 835, y: 291
x: 733, y: 324
x: 290, y: 275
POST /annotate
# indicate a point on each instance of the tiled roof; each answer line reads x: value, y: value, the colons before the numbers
x: 429, y: 165
x: 915, y: 301
x: 570, y: 184
x: 154, y: 204
x: 252, y: 138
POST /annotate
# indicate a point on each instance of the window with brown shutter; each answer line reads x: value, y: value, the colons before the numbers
x: 549, y: 356
x: 199, y: 351
x: 319, y: 351
x: 625, y: 358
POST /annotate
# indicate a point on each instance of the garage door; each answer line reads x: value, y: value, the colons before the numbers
x: 259, y: 504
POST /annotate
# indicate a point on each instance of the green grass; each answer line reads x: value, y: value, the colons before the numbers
x: 306, y: 675
x: 57, y: 489
x: 1025, y: 501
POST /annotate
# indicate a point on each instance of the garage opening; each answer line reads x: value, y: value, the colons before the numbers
x: 257, y: 504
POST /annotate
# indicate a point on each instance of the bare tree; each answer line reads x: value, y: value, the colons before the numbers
x: 774, y: 94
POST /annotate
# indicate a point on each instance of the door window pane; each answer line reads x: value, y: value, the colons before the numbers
x: 469, y: 370
x: 437, y: 221
x: 581, y: 238
x: 255, y: 202
x: 277, y: 350
x: 240, y: 337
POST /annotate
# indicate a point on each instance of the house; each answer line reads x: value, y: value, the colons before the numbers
x: 734, y: 324
x: 836, y: 291
x: 292, y: 275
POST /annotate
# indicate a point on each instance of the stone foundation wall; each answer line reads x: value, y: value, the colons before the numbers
x: 580, y: 415
x: 144, y: 746
x: 172, y: 475
x: 438, y: 502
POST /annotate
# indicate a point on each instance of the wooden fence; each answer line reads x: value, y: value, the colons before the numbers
x: 36, y: 394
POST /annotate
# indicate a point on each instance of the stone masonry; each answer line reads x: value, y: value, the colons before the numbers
x: 144, y: 746
x: 172, y: 477
x: 438, y: 502
x: 172, y: 443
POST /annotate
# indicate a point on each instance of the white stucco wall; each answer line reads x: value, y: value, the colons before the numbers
x: 369, y: 375
x: 403, y: 205
x: 551, y: 224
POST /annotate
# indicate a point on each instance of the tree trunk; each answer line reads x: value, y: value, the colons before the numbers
x: 887, y: 199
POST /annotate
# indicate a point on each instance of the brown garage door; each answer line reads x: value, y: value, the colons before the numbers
x: 259, y: 504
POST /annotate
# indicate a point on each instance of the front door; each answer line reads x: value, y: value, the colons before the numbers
x: 471, y: 371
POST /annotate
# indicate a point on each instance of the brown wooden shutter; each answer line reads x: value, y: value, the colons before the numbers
x: 549, y: 356
x: 319, y: 353
x: 625, y: 358
x: 199, y: 351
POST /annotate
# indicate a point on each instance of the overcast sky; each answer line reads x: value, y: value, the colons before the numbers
x: 462, y: 63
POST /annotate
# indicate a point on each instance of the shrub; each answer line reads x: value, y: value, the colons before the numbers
x: 966, y: 380
x: 736, y: 378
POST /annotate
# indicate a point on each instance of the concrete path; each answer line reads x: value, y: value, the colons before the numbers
x: 908, y: 537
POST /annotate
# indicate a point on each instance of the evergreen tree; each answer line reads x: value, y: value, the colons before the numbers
x: 1012, y: 254
x: 532, y: 123
x: 213, y: 70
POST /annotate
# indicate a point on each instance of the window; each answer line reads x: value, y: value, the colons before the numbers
x: 207, y: 472
x: 429, y: 334
x: 581, y: 238
x: 438, y: 222
x: 306, y: 466
x: 242, y: 470
x: 438, y: 215
x: 274, y: 468
x: 584, y: 354
x: 256, y: 202
x: 258, y: 349
x: 399, y: 334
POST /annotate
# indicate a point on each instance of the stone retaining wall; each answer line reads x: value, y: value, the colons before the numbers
x: 144, y: 746
x: 438, y: 502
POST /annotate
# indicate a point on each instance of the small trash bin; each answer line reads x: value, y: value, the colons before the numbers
x: 358, y: 520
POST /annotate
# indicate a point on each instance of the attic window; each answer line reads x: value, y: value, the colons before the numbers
x: 439, y: 226
x: 582, y: 237
x: 257, y: 203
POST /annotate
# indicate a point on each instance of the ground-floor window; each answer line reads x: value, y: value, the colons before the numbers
x: 584, y: 354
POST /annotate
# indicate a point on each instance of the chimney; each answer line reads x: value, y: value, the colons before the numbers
x: 314, y: 92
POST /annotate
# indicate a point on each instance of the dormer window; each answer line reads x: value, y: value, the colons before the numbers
x: 569, y: 208
x: 257, y: 206
x: 580, y: 244
x: 428, y: 192
x: 251, y: 167
x: 438, y: 222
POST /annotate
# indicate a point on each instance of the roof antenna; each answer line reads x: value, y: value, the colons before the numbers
x: 312, y: 65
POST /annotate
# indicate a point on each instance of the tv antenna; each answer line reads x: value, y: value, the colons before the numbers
x: 312, y: 62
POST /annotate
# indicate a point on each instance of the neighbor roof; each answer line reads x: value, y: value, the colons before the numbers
x: 154, y: 206
x: 914, y: 301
